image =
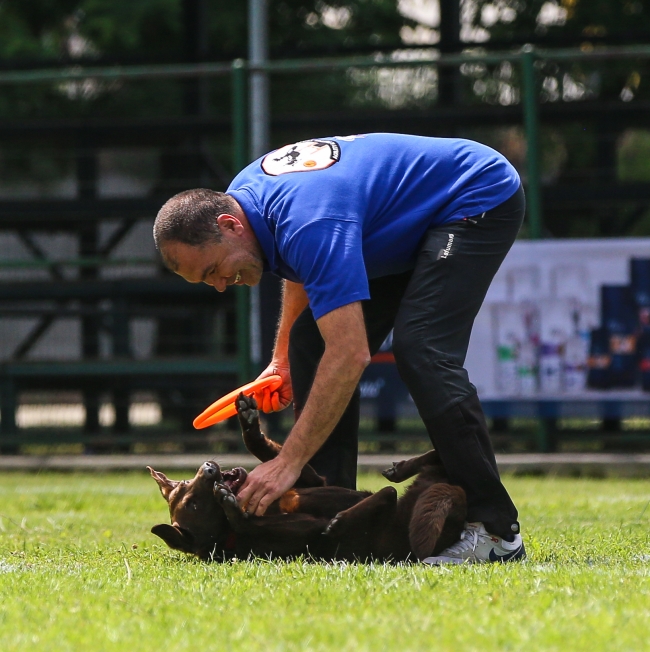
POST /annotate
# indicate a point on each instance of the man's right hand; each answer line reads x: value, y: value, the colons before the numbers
x: 280, y: 398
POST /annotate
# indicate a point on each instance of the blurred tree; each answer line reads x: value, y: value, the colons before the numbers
x: 87, y: 29
x: 104, y: 31
x: 107, y: 31
x: 298, y: 26
x: 153, y: 29
x: 567, y: 21
x: 600, y: 151
x: 584, y: 23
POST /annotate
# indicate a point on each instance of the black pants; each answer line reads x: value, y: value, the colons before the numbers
x: 432, y: 309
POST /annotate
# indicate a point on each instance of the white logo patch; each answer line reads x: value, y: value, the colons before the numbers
x: 446, y: 252
x: 305, y: 156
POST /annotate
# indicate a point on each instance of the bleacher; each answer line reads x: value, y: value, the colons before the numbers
x: 88, y: 316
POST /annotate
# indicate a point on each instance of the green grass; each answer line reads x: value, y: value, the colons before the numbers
x: 79, y: 570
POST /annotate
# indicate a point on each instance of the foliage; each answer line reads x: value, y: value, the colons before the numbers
x: 297, y: 25
x: 634, y: 156
x: 578, y: 19
x: 586, y: 149
x: 35, y: 28
x: 80, y: 570
x: 153, y: 29
x: 86, y: 28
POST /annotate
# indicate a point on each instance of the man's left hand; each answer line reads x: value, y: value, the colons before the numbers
x: 266, y: 483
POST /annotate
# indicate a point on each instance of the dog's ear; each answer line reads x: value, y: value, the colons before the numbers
x: 166, y: 485
x: 174, y: 537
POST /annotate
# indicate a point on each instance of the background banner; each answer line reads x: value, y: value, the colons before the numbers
x: 565, y: 318
x: 564, y: 321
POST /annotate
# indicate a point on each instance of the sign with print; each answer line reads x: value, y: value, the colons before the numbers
x: 564, y: 331
x: 305, y: 156
x: 565, y: 319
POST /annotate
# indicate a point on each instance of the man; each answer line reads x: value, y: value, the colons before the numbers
x: 370, y: 233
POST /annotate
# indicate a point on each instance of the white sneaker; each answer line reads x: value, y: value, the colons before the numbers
x: 477, y: 546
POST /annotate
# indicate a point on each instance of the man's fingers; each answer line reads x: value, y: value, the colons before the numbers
x: 264, y: 485
x: 258, y: 502
x: 249, y: 496
x: 243, y: 495
x: 251, y: 506
x: 247, y: 503
x: 261, y: 506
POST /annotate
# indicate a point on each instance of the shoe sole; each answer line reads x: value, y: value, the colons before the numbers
x: 441, y: 561
x: 518, y: 555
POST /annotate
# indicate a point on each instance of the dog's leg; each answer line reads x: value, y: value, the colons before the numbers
x: 406, y: 469
x: 437, y: 519
x: 256, y: 442
x: 263, y: 448
x: 363, y: 517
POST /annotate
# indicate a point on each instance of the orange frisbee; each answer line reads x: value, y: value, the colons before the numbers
x: 225, y: 406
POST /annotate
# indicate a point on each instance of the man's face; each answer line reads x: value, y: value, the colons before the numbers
x: 235, y: 260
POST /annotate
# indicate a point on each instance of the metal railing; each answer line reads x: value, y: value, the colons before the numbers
x: 238, y: 71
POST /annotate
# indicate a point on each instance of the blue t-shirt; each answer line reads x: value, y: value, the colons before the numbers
x: 333, y: 212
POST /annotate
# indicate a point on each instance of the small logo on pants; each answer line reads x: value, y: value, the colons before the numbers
x: 446, y: 252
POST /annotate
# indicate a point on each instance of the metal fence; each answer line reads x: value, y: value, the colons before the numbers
x: 529, y: 98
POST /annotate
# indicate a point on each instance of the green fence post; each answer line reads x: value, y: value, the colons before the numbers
x: 8, y: 406
x: 533, y: 191
x: 239, y: 115
x: 243, y: 334
x: 531, y: 126
x: 239, y: 160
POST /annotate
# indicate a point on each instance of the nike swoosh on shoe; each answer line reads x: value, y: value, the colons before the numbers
x: 519, y: 553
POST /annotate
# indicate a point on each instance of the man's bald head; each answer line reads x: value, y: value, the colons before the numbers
x: 190, y: 217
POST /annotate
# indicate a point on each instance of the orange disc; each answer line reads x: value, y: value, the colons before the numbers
x: 225, y: 406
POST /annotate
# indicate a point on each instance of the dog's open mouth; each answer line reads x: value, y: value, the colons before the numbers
x: 234, y: 478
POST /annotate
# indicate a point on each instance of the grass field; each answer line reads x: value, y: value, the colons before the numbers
x: 79, y: 570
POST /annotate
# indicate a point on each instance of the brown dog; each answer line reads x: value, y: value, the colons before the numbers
x: 311, y: 519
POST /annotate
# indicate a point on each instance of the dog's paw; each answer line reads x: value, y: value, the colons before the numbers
x: 228, y: 501
x: 392, y: 474
x: 223, y: 494
x: 334, y: 526
x: 247, y: 408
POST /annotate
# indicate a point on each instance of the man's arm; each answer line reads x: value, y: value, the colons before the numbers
x: 346, y: 356
x: 294, y: 301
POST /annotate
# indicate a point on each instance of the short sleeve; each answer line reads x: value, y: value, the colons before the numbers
x: 327, y: 256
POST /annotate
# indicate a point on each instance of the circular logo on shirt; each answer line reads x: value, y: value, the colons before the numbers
x: 305, y: 156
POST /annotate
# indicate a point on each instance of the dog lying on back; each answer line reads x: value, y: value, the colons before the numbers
x: 326, y: 523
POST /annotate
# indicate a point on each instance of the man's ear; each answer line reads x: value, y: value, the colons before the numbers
x: 174, y: 537
x: 166, y: 485
x: 229, y: 222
